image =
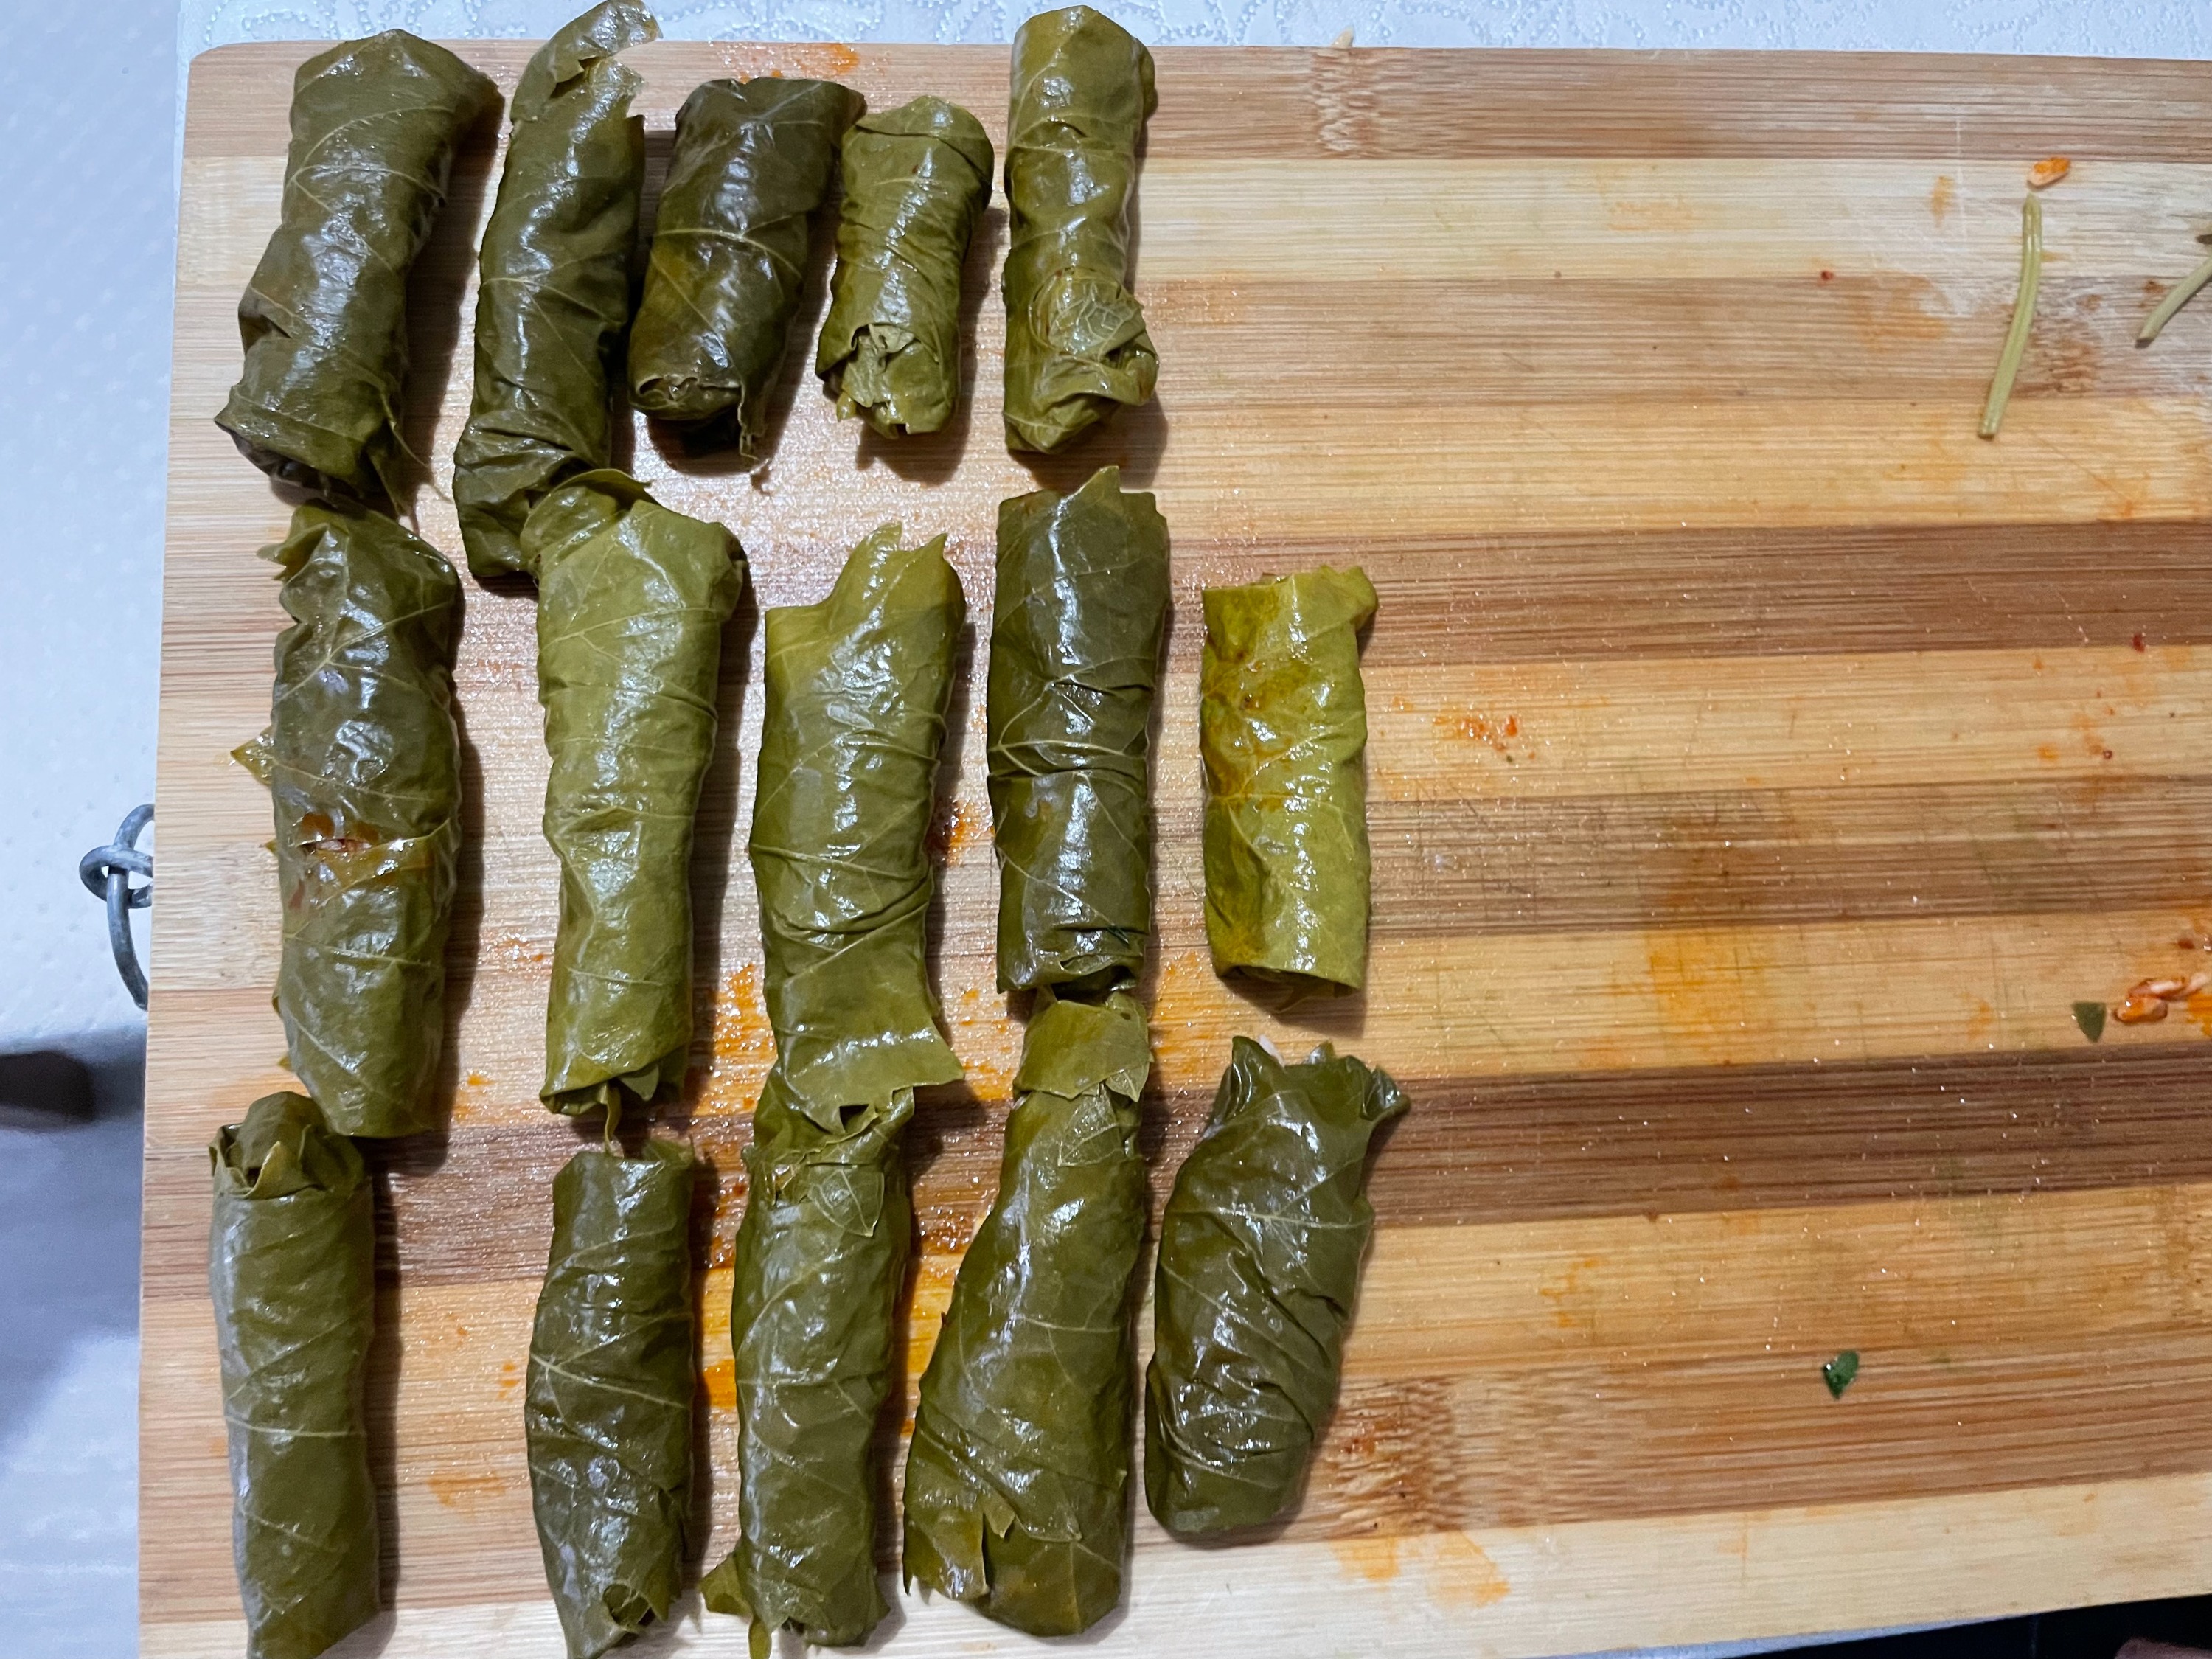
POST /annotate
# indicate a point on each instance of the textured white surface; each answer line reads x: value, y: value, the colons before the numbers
x: 2145, y: 28
x: 69, y: 1490
x: 87, y: 193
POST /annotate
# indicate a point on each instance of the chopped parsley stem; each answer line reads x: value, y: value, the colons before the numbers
x: 2023, y: 314
x: 2182, y: 293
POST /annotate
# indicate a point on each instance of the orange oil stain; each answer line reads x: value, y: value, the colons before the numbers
x: 477, y: 1080
x: 1573, y: 1307
x: 1462, y: 1574
x: 2198, y: 1010
x: 956, y: 832
x: 465, y: 1490
x: 988, y: 1044
x: 1710, y: 988
x: 2047, y: 753
x: 933, y: 1275
x: 1373, y: 1560
x: 1185, y: 1019
x: 721, y: 1379
x: 510, y: 1377
x: 1493, y: 733
x: 1941, y: 196
x: 519, y: 951
x: 742, y: 1043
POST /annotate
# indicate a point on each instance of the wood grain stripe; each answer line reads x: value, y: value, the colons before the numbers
x: 1382, y: 102
x: 1472, y: 1151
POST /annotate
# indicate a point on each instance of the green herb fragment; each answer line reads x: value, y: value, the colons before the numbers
x: 2090, y: 1016
x: 2023, y: 315
x: 2181, y: 294
x: 1839, y: 1372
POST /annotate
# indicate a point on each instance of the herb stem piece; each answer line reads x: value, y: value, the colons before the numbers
x: 2182, y: 293
x: 2023, y: 314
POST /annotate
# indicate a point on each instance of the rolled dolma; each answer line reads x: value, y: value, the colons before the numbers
x: 1076, y: 344
x: 631, y: 601
x: 607, y: 1413
x: 917, y: 180
x: 1075, y: 654
x: 1017, y: 1488
x: 858, y: 686
x: 752, y: 160
x: 374, y: 125
x: 553, y: 288
x: 1282, y: 727
x: 1018, y: 1477
x: 1260, y: 1247
x: 364, y: 767
x: 292, y: 1267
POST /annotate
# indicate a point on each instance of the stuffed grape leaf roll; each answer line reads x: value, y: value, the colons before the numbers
x: 607, y: 1413
x: 917, y: 180
x: 553, y: 288
x: 1076, y: 344
x: 1081, y: 614
x: 858, y: 687
x: 364, y: 767
x: 1260, y: 1247
x: 292, y: 1268
x: 631, y: 601
x: 1282, y: 728
x: 374, y: 126
x: 1018, y: 1477
x: 753, y: 159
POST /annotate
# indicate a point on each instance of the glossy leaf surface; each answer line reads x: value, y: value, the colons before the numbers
x: 292, y: 1268
x: 858, y: 686
x: 553, y: 288
x: 1079, y: 617
x: 364, y: 770
x: 1018, y: 1477
x: 1282, y: 730
x: 1260, y: 1247
x: 916, y: 179
x: 607, y: 1413
x: 1076, y: 344
x: 753, y: 159
x: 631, y: 602
x: 324, y: 320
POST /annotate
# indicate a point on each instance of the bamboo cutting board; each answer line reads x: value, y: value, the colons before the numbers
x: 1761, y: 766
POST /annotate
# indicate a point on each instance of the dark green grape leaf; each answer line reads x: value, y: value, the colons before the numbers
x: 753, y: 159
x: 1260, y: 1247
x: 365, y: 771
x: 1282, y: 726
x: 631, y: 602
x: 1076, y: 344
x: 553, y: 291
x: 607, y: 1413
x: 858, y: 687
x: 292, y: 1268
x: 1017, y: 1481
x: 1839, y: 1372
x: 1075, y: 660
x: 374, y: 125
x: 2090, y: 1016
x: 820, y: 1255
x: 917, y: 180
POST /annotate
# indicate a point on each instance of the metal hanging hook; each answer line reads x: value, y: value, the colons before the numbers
x: 106, y: 873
